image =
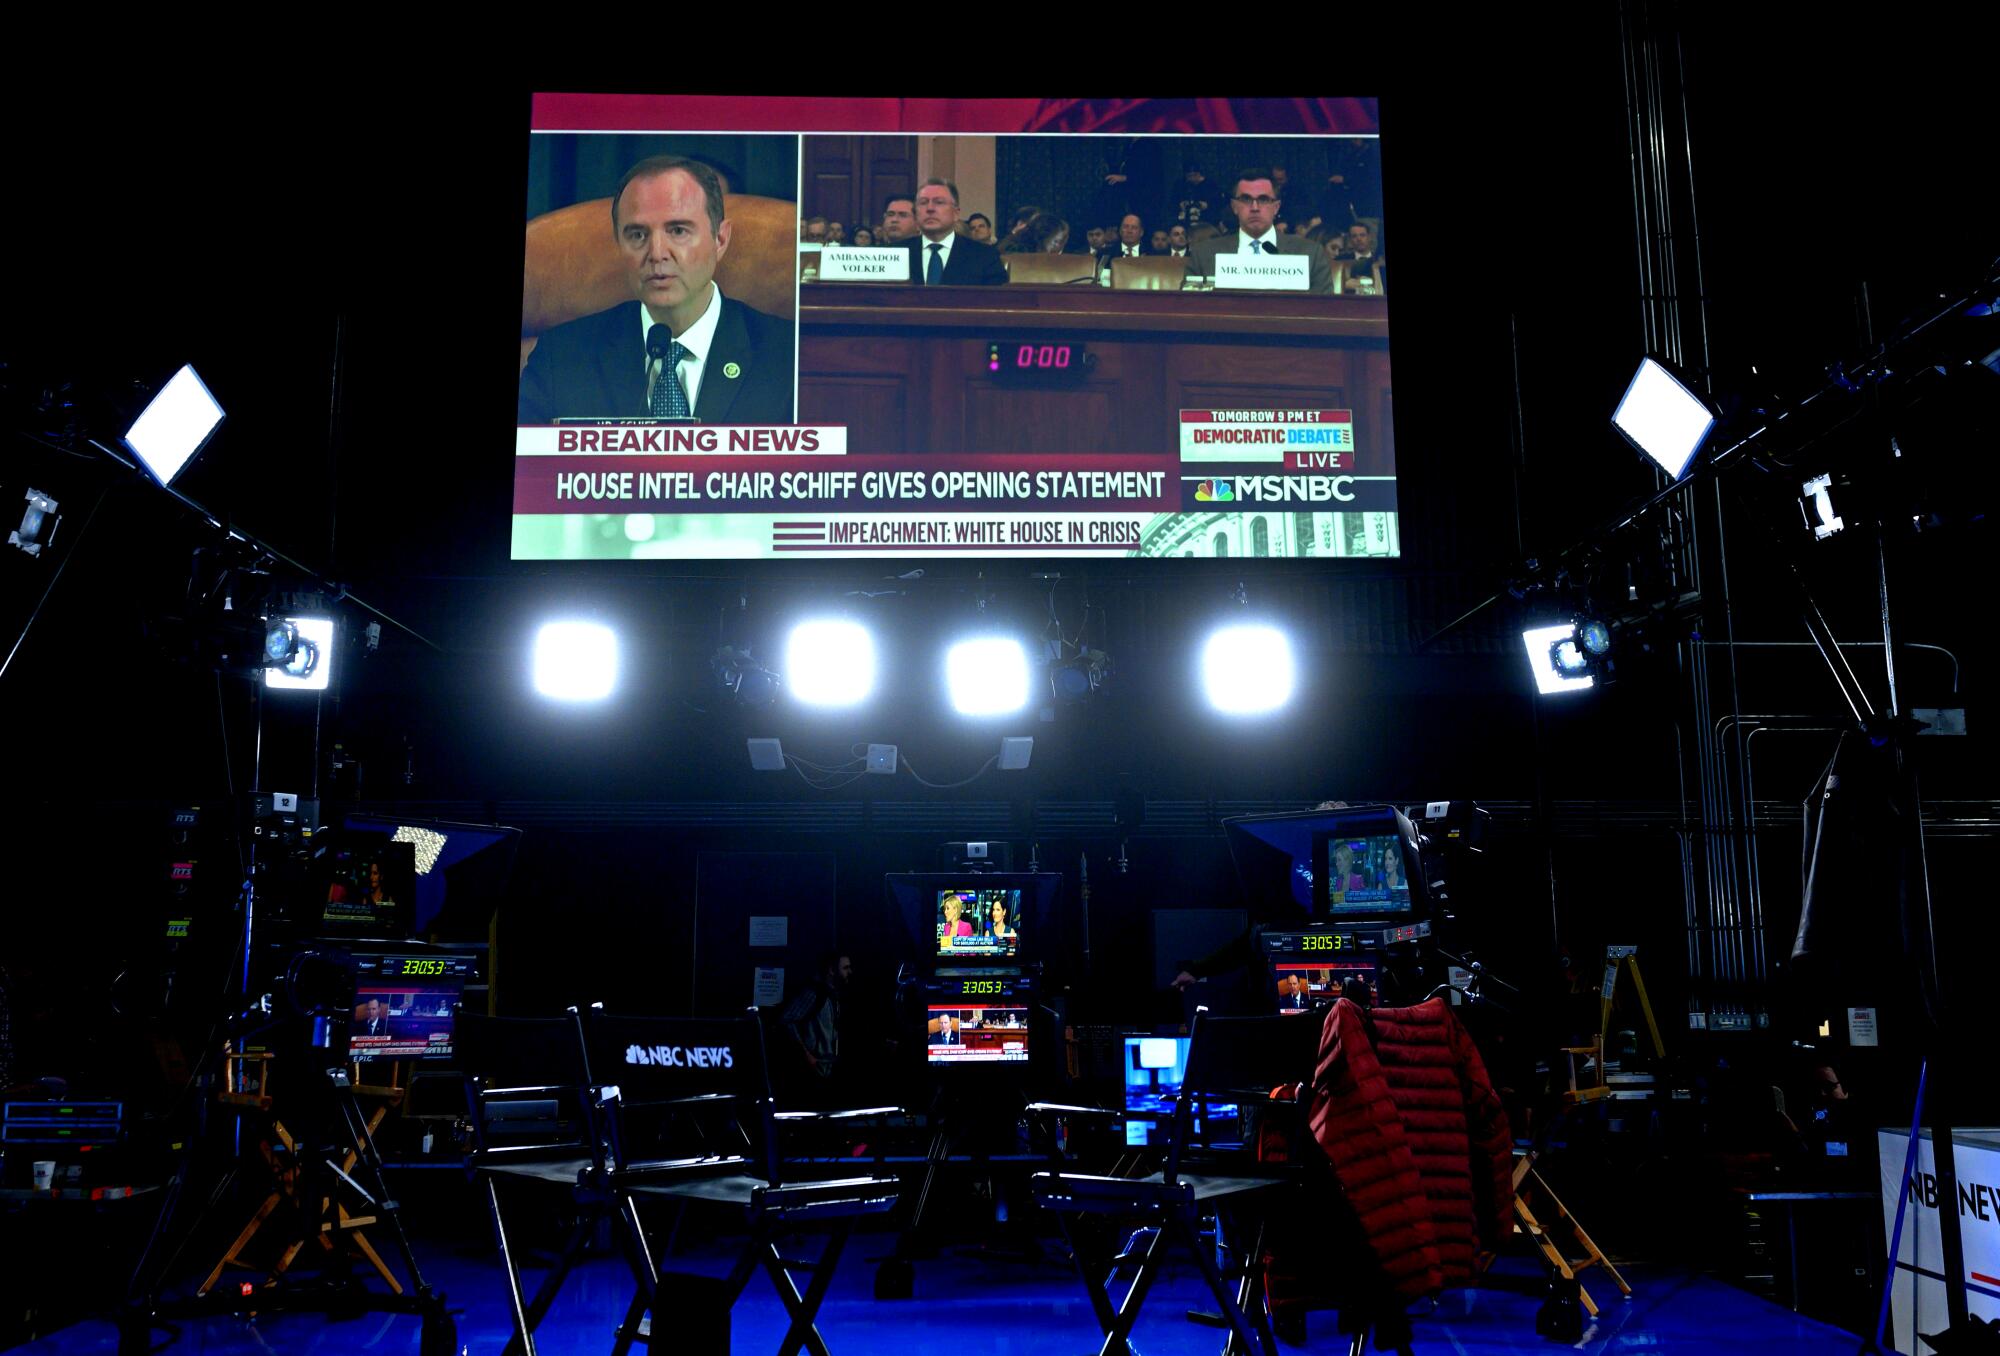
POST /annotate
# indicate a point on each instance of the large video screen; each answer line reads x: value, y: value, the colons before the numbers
x: 765, y: 328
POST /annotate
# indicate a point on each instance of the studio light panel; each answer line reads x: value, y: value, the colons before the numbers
x: 170, y: 430
x: 576, y: 661
x: 987, y: 676
x: 319, y: 631
x: 1663, y: 418
x: 1540, y: 643
x: 830, y: 663
x: 1248, y: 669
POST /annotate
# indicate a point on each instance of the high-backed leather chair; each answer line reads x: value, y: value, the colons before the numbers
x: 573, y: 267
x: 1049, y: 268
x: 1148, y: 273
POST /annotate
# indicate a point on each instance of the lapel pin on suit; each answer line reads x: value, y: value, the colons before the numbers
x: 732, y: 370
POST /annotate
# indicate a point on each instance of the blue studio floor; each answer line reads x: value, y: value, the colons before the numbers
x: 966, y: 1305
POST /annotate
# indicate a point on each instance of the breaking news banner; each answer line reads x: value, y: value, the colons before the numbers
x: 1285, y: 484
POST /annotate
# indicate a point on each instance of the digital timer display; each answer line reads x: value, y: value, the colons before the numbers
x: 972, y: 986
x: 1055, y: 359
x: 1326, y: 941
x: 1041, y: 356
x: 414, y: 966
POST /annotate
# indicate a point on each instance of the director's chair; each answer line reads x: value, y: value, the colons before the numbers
x: 530, y: 1102
x: 671, y: 1084
x: 1237, y: 1059
x: 247, y: 1090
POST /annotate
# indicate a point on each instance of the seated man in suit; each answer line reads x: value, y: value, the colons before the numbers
x: 1359, y: 244
x: 899, y: 219
x: 1131, y: 241
x: 1256, y: 203
x: 1361, y: 257
x: 685, y: 349
x: 938, y: 254
x: 1177, y: 241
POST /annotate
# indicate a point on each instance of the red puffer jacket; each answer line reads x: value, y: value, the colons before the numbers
x: 1418, y: 1140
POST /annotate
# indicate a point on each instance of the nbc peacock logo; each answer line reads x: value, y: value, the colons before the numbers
x: 1214, y: 492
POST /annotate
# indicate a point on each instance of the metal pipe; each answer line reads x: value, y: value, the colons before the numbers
x: 1750, y: 822
x: 1888, y: 635
x: 1847, y: 645
x: 1690, y: 903
x: 1714, y: 815
x: 1729, y: 634
x: 1757, y: 965
x: 1694, y: 215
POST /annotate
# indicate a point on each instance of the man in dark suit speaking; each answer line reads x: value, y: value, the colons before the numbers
x: 685, y: 350
x: 1255, y: 199
x: 940, y: 256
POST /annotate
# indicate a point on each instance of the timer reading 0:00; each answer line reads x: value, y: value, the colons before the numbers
x: 1042, y: 355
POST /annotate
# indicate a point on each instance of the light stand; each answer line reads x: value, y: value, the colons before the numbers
x: 143, y: 1307
x: 1903, y: 365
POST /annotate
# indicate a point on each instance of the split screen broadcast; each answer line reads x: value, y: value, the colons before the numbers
x: 751, y: 344
x: 1365, y: 875
x: 977, y: 1034
x: 405, y: 1005
x: 974, y: 924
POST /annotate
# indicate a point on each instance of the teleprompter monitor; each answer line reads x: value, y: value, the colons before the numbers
x: 1363, y: 866
x: 460, y: 870
x: 1002, y: 918
x: 1286, y: 864
x: 366, y: 886
x: 978, y: 923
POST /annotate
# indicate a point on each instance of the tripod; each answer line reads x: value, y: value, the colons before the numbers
x: 956, y: 1116
x: 330, y: 1166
